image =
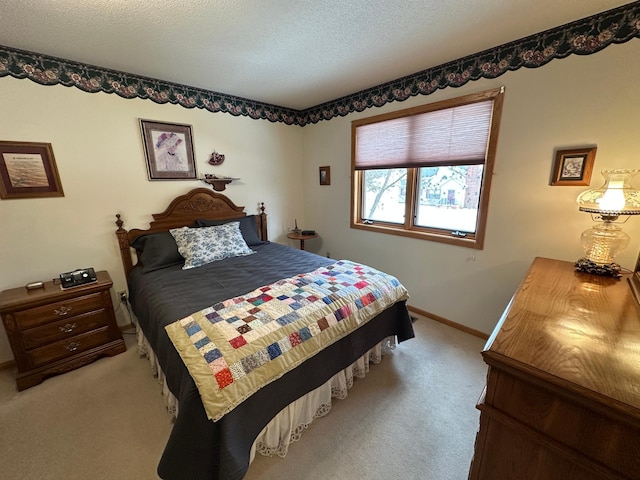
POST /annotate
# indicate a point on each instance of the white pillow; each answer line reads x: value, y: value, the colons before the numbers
x: 204, y: 245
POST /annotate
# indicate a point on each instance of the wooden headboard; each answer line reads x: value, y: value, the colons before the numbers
x: 183, y: 211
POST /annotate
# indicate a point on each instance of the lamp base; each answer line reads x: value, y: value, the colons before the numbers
x: 607, y: 270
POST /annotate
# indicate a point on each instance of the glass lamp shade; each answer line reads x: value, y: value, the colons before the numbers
x: 614, y: 198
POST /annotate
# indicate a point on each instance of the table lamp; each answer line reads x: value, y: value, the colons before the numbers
x: 602, y: 242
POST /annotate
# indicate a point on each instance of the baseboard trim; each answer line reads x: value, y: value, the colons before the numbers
x: 457, y: 326
x: 7, y: 365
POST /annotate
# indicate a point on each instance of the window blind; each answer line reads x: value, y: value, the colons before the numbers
x: 451, y: 136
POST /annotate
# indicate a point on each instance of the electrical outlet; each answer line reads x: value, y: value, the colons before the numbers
x: 123, y: 296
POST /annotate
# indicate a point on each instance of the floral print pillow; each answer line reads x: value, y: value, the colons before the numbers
x: 200, y: 246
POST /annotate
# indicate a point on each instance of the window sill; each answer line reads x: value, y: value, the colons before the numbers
x: 469, y: 242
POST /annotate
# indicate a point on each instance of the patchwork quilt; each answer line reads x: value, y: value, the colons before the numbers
x: 235, y: 347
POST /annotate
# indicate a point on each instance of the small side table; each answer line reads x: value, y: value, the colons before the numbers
x: 302, y: 238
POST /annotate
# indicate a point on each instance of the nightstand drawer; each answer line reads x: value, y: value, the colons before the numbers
x: 68, y: 347
x: 57, y: 311
x: 63, y: 329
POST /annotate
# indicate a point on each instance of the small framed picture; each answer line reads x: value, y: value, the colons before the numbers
x: 573, y: 167
x: 325, y: 175
x: 28, y: 170
x: 168, y: 148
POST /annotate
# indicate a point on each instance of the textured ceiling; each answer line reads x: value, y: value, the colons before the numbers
x: 294, y: 54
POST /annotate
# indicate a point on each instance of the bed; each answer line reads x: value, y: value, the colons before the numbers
x: 266, y: 417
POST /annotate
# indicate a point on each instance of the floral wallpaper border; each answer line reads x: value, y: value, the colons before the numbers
x: 582, y: 37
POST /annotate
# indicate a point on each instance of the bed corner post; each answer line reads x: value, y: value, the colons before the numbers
x: 123, y: 243
x: 263, y: 223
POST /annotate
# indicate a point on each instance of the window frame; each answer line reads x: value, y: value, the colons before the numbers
x: 409, y: 229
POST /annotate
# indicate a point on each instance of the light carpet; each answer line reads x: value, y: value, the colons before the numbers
x: 412, y: 417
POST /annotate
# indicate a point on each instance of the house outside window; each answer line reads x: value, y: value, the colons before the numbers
x: 425, y: 172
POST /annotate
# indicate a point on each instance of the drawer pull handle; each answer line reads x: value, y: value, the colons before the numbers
x: 69, y: 327
x: 73, y: 346
x: 62, y: 311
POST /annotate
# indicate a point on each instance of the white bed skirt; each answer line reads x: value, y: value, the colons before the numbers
x: 287, y: 426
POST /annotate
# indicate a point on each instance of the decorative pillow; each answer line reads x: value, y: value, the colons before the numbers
x: 247, y: 228
x: 204, y: 245
x: 159, y: 250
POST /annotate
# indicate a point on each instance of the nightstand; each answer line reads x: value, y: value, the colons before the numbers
x: 52, y: 330
x: 302, y: 238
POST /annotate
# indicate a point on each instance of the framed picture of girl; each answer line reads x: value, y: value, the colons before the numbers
x: 168, y: 148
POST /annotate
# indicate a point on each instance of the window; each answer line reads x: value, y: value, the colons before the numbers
x: 425, y: 172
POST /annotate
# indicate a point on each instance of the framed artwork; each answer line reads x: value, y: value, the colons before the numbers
x: 168, y: 148
x: 573, y: 167
x: 28, y: 170
x: 325, y: 175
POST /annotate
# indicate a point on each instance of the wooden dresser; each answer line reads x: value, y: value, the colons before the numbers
x: 562, y: 399
x: 53, y: 331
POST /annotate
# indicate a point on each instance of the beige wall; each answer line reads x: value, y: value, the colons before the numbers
x: 96, y: 141
x: 571, y: 102
x: 98, y: 149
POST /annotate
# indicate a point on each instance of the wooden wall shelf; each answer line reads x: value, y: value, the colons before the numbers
x: 218, y: 183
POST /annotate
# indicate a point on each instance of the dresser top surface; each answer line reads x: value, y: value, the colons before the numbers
x: 578, y: 330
